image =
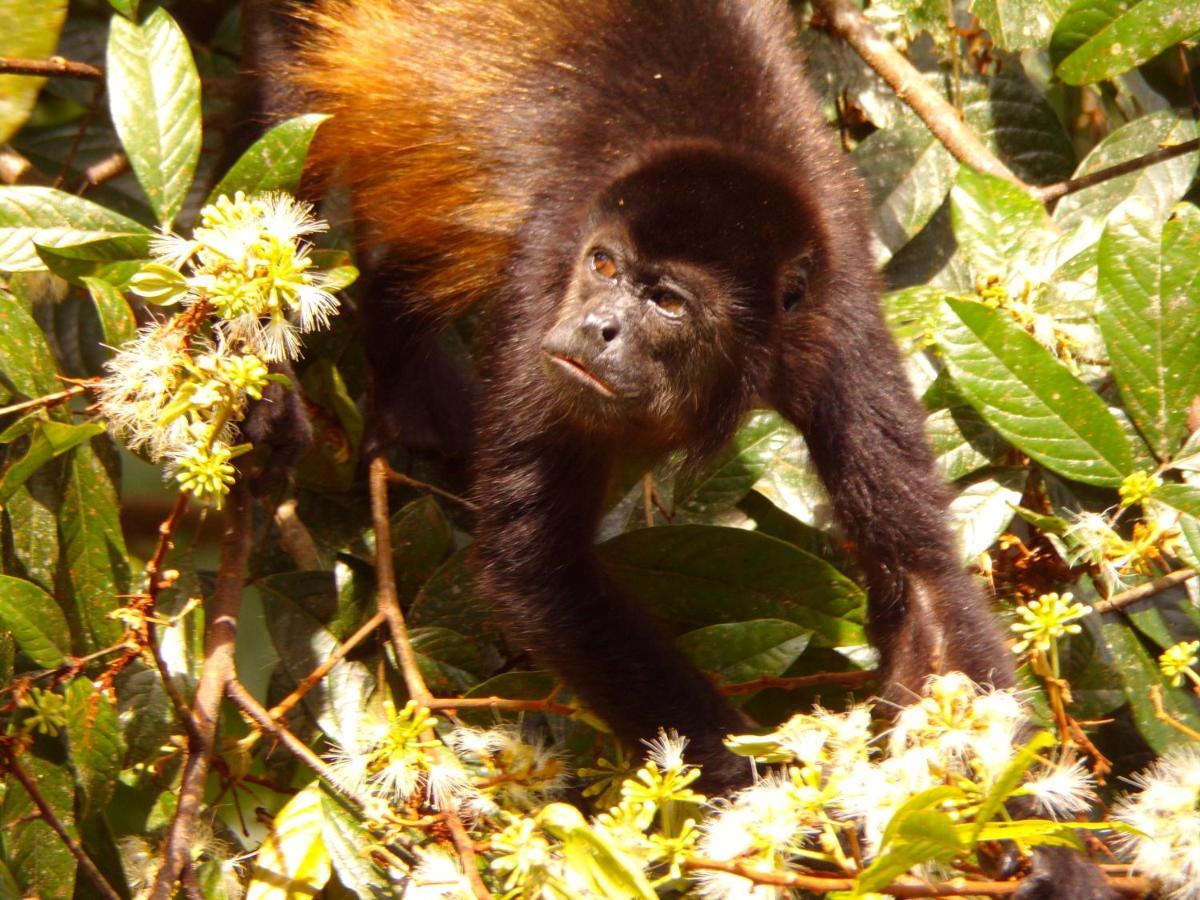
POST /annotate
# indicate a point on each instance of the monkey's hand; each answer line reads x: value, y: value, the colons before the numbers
x: 1060, y: 873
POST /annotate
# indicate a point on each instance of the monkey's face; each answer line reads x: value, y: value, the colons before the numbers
x: 640, y: 345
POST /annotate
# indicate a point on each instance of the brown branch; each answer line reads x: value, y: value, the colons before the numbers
x: 1051, y: 192
x: 55, y: 66
x: 105, y: 170
x: 1142, y: 591
x: 280, y: 709
x: 219, y: 668
x: 389, y: 606
x: 416, y: 484
x: 1160, y: 713
x: 94, y: 875
x: 49, y: 400
x: 505, y: 703
x: 13, y: 167
x: 902, y: 887
x: 385, y: 580
x: 296, y: 539
x: 843, y: 679
x: 77, y: 141
x: 911, y: 87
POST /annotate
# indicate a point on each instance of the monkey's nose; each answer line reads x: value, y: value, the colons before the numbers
x: 605, y: 325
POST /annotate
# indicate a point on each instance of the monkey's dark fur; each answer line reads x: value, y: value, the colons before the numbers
x: 664, y: 233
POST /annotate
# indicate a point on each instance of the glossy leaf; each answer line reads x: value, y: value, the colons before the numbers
x: 97, y: 750
x: 983, y: 509
x: 154, y: 97
x: 743, y: 651
x: 32, y: 217
x: 1097, y: 39
x: 274, y: 162
x: 27, y: 369
x: 706, y: 575
x: 50, y: 439
x: 115, y: 260
x: 293, y: 861
x: 1149, y: 287
x: 116, y: 316
x: 35, y: 854
x: 1030, y: 397
x: 93, y: 546
x: 35, y: 620
x: 1018, y: 24
x: 996, y: 223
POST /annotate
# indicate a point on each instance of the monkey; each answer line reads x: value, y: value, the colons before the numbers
x: 645, y: 203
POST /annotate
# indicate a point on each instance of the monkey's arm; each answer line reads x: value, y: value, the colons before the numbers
x: 538, y: 502
x: 865, y: 432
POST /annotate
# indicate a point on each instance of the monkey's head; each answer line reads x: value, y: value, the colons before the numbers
x: 684, y: 267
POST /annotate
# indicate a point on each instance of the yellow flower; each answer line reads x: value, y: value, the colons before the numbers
x: 1137, y: 487
x: 1179, y: 661
x: 1045, y: 620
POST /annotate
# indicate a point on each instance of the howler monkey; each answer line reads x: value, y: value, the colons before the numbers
x: 664, y: 234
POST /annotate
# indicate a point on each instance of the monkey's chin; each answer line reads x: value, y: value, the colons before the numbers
x: 575, y: 370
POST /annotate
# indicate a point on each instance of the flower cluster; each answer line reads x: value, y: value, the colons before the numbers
x: 1165, y: 814
x: 1180, y: 661
x: 178, y: 390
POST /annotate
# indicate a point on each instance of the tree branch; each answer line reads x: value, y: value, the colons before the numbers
x: 1142, y: 591
x: 94, y: 875
x: 219, y: 669
x: 911, y: 87
x: 55, y: 66
x: 796, y: 682
x: 1051, y: 192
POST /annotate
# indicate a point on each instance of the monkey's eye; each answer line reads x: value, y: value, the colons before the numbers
x: 604, y: 265
x: 669, y: 303
x: 794, y: 290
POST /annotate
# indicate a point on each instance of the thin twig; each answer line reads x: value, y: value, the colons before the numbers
x: 385, y: 580
x: 280, y: 709
x: 55, y: 66
x: 48, y: 400
x: 912, y: 88
x: 504, y: 703
x: 105, y: 170
x: 1142, y: 591
x: 389, y: 606
x: 1160, y: 713
x: 77, y: 141
x: 902, y: 887
x: 416, y: 484
x: 94, y: 875
x: 843, y: 679
x: 1051, y: 192
x: 219, y: 668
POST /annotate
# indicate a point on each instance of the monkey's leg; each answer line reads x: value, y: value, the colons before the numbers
x: 538, y: 502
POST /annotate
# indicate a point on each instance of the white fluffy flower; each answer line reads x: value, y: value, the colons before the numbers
x: 1167, y: 813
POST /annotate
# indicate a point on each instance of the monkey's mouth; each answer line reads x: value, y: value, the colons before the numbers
x: 581, y: 373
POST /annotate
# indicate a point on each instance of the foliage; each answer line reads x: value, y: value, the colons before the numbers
x: 151, y: 291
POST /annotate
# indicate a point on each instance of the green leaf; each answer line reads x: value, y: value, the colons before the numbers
x: 97, y: 750
x: 421, y: 541
x: 1018, y: 24
x: 303, y: 642
x: 345, y: 838
x: 274, y: 162
x: 719, y: 486
x: 1153, y: 190
x: 451, y: 599
x: 1149, y: 288
x: 293, y: 861
x: 116, y: 318
x: 26, y: 367
x: 594, y: 856
x: 30, y: 32
x: 37, y: 624
x: 154, y: 97
x: 32, y: 514
x: 33, y: 851
x: 1140, y: 673
x: 32, y: 217
x: 93, y: 546
x: 1030, y: 397
x: 115, y: 260
x: 996, y: 223
x: 983, y: 508
x: 706, y: 575
x: 920, y: 836
x: 1038, y: 832
x: 1097, y: 39
x: 1008, y: 781
x: 743, y: 651
x: 448, y: 661
x: 50, y: 439
x: 1184, y: 497
x: 962, y: 442
x: 127, y: 8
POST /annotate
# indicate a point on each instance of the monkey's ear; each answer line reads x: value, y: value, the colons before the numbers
x: 794, y: 285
